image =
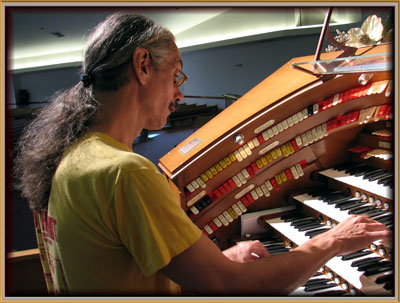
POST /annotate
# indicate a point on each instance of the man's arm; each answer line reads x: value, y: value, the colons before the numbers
x: 204, y: 269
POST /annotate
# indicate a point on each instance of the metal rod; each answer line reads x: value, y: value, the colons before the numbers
x: 323, y: 33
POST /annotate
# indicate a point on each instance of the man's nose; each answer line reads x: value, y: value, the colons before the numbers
x: 179, y: 96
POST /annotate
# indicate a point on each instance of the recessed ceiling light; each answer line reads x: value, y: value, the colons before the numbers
x: 58, y: 34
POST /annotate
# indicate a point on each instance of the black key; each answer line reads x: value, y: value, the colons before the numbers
x: 388, y: 183
x: 384, y: 279
x: 384, y: 178
x: 343, y: 166
x: 340, y: 199
x: 316, y: 287
x: 277, y: 252
x: 332, y: 195
x: 372, y: 173
x: 384, y: 214
x: 310, y: 226
x: 304, y: 223
x: 375, y: 212
x: 373, y: 265
x: 382, y: 175
x: 363, y: 171
x: 378, y: 270
x: 331, y: 293
x: 356, y: 254
x: 351, y: 205
x: 277, y: 248
x: 365, y: 261
x: 291, y: 217
x: 303, y: 220
x: 348, y: 202
x: 313, y: 281
x: 388, y: 285
x: 361, y: 210
x: 314, y: 233
x: 355, y: 169
x: 384, y: 220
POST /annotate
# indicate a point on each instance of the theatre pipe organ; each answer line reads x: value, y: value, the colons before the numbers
x: 284, y: 145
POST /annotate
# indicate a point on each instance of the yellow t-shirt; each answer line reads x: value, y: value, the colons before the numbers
x: 113, y: 222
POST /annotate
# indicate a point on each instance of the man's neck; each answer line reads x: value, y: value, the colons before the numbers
x: 118, y: 116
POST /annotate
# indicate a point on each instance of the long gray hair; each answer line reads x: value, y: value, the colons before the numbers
x: 69, y: 113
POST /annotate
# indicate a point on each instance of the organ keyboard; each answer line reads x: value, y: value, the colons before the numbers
x: 278, y: 144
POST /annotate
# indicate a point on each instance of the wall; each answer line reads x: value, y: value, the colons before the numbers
x: 212, y: 72
x: 236, y: 69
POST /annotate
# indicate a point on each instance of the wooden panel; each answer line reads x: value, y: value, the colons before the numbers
x: 24, y: 274
x: 285, y: 82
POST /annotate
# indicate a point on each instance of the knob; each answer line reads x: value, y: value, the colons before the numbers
x: 239, y: 139
x: 364, y: 78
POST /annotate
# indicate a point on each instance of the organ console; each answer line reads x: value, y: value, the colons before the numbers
x: 310, y: 147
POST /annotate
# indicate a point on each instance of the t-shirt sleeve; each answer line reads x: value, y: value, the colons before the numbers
x: 151, y: 223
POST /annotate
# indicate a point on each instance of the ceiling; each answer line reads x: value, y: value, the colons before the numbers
x: 42, y: 37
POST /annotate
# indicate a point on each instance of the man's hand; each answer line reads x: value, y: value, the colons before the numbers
x: 356, y: 232
x: 246, y: 251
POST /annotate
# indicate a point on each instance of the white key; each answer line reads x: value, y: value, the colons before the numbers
x: 237, y: 155
x: 265, y: 190
x: 217, y: 222
x: 280, y: 127
x: 304, y: 139
x: 265, y: 135
x: 294, y: 118
x: 369, y: 186
x: 250, y: 144
x: 305, y: 113
x: 324, y: 208
x: 194, y: 210
x: 237, y: 209
x: 208, y: 229
x: 237, y: 181
x: 294, y: 172
x: 190, y: 187
x: 256, y: 142
x: 320, y: 132
x: 245, y: 173
x: 242, y: 152
x: 241, y: 178
x: 223, y: 220
x: 275, y: 130
x: 309, y: 137
x: 298, y: 141
x: 241, y: 206
x: 270, y: 133
x: 300, y: 116
x: 247, y: 149
x: 288, y: 230
x: 195, y: 184
x: 201, y: 183
x: 290, y: 121
x: 269, y: 185
x: 299, y: 170
x: 259, y: 192
x: 254, y: 194
x: 227, y: 216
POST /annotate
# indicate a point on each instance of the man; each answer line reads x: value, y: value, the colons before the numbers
x: 106, y: 216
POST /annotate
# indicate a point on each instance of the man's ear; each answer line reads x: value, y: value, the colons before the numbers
x: 142, y: 64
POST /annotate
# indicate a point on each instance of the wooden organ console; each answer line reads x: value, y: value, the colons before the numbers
x: 313, y: 150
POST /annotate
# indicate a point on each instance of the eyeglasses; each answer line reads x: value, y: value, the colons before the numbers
x: 180, y: 78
